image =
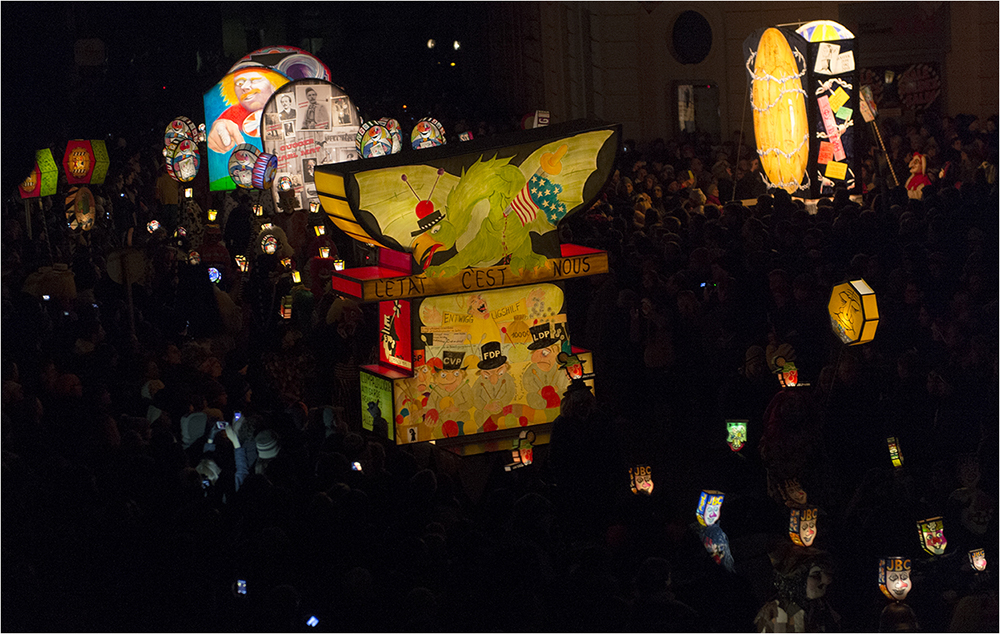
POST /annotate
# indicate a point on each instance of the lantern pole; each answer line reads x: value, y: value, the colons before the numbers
x: 27, y: 217
x: 888, y: 161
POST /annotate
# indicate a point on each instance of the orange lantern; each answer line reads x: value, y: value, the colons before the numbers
x: 853, y: 312
x: 79, y: 161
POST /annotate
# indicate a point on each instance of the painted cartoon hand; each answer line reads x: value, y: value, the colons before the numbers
x: 224, y: 136
x: 552, y: 163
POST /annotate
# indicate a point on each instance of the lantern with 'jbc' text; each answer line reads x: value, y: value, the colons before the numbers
x: 710, y: 507
x: 894, y: 577
x: 802, y: 525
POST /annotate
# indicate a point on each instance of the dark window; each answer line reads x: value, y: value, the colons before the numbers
x: 691, y: 39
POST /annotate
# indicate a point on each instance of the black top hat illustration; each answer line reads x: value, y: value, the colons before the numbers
x: 541, y: 337
x: 492, y: 356
x: 453, y: 360
x: 426, y: 222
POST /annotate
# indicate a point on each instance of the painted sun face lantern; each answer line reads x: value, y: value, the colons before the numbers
x: 778, y: 100
x: 523, y: 454
x: 641, y: 479
x: 853, y: 312
x: 802, y: 525
x: 894, y: 577
x: 932, y: 538
x: 737, y: 434
x: 977, y: 558
x: 895, y: 453
x: 710, y: 507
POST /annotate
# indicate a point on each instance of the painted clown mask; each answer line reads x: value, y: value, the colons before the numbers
x: 641, y: 478
x: 709, y: 507
x: 802, y: 525
x: 737, y: 430
x: 894, y: 577
x: 977, y: 558
x: 932, y: 535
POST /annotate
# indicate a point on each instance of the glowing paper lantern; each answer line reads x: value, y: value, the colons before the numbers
x: 824, y: 31
x: 853, y: 312
x: 78, y: 161
x: 43, y: 178
x: 286, y: 262
x: 296, y: 277
x: 641, y: 479
x: 395, y: 133
x: 737, y: 434
x: 241, y: 261
x: 152, y: 226
x: 269, y: 244
x: 338, y: 265
x: 894, y: 452
x: 241, y: 165
x: 286, y: 307
x: 977, y: 558
x: 778, y: 100
x: 427, y: 133
x: 894, y: 577
x: 324, y: 252
x: 292, y: 62
x: 932, y: 538
x: 258, y: 210
x: 194, y: 258
x: 214, y: 276
x: 181, y: 127
x: 314, y: 207
x: 263, y: 171
x: 285, y: 184
x: 101, y: 162
x: 213, y: 214
x: 523, y: 454
x: 572, y: 364
x: 709, y: 507
x: 802, y: 525
x: 182, y: 159
x: 373, y: 139
x: 80, y: 208
x: 320, y: 230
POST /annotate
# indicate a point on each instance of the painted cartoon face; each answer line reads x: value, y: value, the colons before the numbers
x: 794, y: 492
x: 978, y: 559
x: 494, y: 375
x: 449, y: 379
x: 253, y: 90
x: 932, y: 536
x: 642, y: 479
x: 710, y: 507
x: 817, y: 582
x: 737, y: 434
x: 422, y: 374
x: 802, y: 526
x: 545, y: 358
x: 894, y: 577
x: 478, y: 307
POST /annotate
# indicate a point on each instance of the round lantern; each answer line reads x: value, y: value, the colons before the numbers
x: 269, y: 244
x: 824, y: 31
x: 263, y: 171
x: 214, y: 276
x: 241, y: 164
x: 894, y: 577
x: 853, y: 312
x: 373, y: 139
x: 394, y: 132
x: 710, y: 507
x: 802, y: 525
x: 80, y: 208
x: 181, y: 127
x: 182, y: 159
x: 932, y: 538
x: 427, y: 133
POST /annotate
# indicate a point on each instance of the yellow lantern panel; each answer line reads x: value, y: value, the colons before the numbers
x: 853, y: 312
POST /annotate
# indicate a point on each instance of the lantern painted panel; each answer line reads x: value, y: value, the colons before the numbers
x: 932, y: 538
x: 294, y: 63
x: 523, y: 453
x: 894, y: 577
x: 710, y: 507
x: 853, y: 312
x: 427, y: 133
x: 895, y: 453
x: 376, y: 404
x: 182, y: 127
x: 802, y: 525
x: 43, y: 178
x: 80, y: 208
x: 241, y: 163
x: 78, y: 162
x: 977, y: 558
x: 736, y: 431
x: 395, y: 325
x: 641, y: 479
x: 182, y: 159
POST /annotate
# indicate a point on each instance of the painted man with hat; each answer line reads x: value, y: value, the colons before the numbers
x: 494, y: 390
x: 451, y: 394
x: 543, y: 380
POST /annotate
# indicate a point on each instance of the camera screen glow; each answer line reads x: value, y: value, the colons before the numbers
x: 312, y: 621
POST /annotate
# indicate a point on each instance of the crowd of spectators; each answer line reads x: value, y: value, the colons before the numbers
x: 128, y: 507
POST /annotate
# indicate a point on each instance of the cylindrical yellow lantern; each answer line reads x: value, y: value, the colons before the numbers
x: 853, y: 312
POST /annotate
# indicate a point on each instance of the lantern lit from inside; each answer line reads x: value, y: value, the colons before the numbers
x: 320, y: 230
x: 641, y: 479
x: 269, y: 244
x: 523, y: 454
x: 736, y: 434
x: 894, y: 577
x: 324, y: 252
x: 152, y: 226
x: 241, y: 261
x: 296, y: 277
x: 258, y: 210
x: 932, y: 537
x: 213, y: 214
x: 895, y: 454
x: 977, y: 558
x: 286, y: 262
x: 188, y: 193
x: 710, y: 507
x: 285, y: 184
x: 286, y: 307
x: 314, y: 207
x: 338, y: 265
x: 853, y: 312
x: 802, y: 525
x: 194, y: 258
x: 214, y: 276
x: 572, y: 364
x: 44, y: 176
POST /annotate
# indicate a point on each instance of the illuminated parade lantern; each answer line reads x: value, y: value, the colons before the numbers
x: 977, y: 559
x: 43, y: 178
x: 242, y: 263
x: 895, y: 453
x: 641, y: 479
x: 736, y: 434
x: 853, y: 312
x: 212, y: 215
x: 932, y: 538
x: 802, y: 525
x: 78, y: 162
x: 894, y: 577
x: 80, y: 208
x: 710, y: 507
x: 523, y: 454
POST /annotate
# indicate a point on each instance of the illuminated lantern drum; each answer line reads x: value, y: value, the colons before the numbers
x: 523, y: 454
x: 736, y: 434
x: 181, y: 127
x: 710, y: 507
x: 802, y: 525
x: 932, y: 538
x: 778, y: 100
x: 853, y: 312
x: 241, y: 164
x: 427, y: 133
x: 263, y: 171
x: 373, y: 139
x: 894, y: 577
x: 641, y: 479
x: 895, y: 453
x: 182, y: 159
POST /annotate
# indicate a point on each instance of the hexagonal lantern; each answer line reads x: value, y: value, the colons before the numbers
x: 43, y: 178
x: 79, y: 161
x: 853, y: 312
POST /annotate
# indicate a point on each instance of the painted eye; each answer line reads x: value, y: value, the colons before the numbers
x: 436, y: 229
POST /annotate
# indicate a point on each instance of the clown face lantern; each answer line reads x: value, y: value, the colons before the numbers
x: 802, y: 525
x: 737, y: 434
x: 894, y: 577
x: 932, y: 535
x: 977, y: 558
x: 641, y: 479
x: 895, y: 454
x: 709, y: 507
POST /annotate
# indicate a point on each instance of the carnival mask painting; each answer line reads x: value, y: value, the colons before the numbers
x: 894, y: 577
x: 932, y: 535
x: 641, y: 478
x: 709, y: 507
x: 977, y: 558
x: 737, y: 430
x: 802, y: 526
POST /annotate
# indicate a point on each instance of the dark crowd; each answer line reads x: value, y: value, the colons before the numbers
x: 128, y: 507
